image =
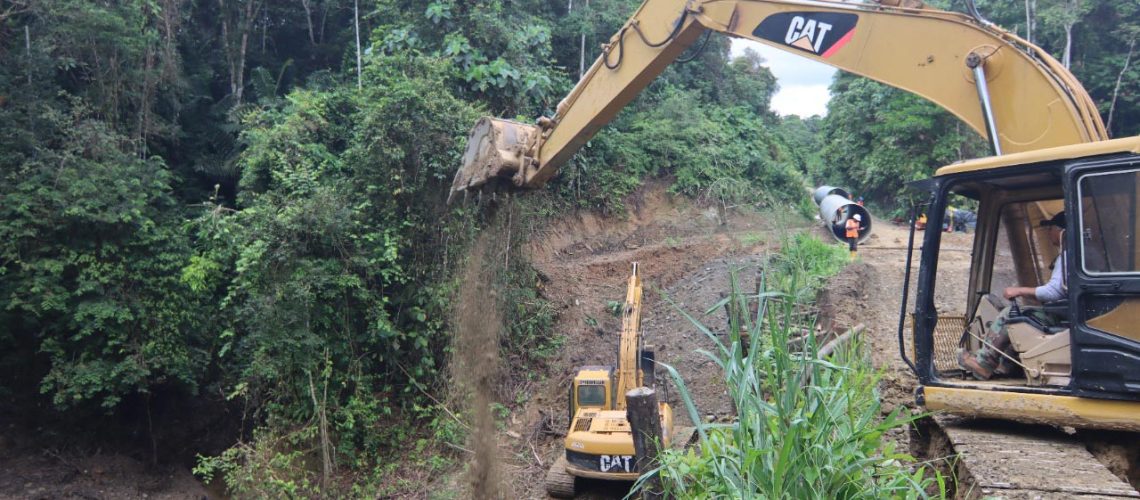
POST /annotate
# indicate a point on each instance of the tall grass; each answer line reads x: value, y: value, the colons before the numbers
x: 805, y: 427
x: 803, y: 266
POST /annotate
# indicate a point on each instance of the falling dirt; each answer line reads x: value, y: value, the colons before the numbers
x: 476, y: 366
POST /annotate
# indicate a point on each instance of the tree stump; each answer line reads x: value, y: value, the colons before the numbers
x: 645, y: 424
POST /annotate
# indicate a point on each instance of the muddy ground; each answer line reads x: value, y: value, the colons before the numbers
x: 45, y: 459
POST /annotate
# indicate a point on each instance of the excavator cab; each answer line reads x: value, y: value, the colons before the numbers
x: 1081, y: 355
x: 593, y: 387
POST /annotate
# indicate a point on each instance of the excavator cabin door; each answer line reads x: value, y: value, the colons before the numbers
x: 1102, y: 208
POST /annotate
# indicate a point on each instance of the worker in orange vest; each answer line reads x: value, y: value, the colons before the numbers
x: 854, y: 224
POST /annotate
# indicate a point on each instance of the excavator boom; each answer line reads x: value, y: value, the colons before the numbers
x: 1034, y: 102
x: 629, y: 373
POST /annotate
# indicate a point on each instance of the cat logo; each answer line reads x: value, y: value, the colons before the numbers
x: 802, y: 33
x: 619, y: 463
x: 819, y: 33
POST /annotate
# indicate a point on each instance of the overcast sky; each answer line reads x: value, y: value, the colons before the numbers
x: 803, y: 82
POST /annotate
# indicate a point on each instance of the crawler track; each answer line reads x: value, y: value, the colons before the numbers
x: 1008, y: 461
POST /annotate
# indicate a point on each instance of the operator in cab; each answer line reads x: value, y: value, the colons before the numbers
x: 987, y: 361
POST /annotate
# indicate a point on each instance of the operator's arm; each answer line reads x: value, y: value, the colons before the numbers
x: 1049, y: 292
x: 1054, y: 289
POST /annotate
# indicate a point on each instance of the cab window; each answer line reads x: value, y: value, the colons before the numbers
x: 591, y: 395
x: 1108, y: 222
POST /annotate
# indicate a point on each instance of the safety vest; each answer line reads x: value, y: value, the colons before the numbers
x: 852, y: 228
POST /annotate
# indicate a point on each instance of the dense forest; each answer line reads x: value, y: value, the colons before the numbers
x: 236, y: 207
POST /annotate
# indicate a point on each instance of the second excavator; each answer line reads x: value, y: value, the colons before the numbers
x: 599, y: 442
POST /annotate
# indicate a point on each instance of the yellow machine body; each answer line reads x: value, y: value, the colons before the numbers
x: 599, y: 442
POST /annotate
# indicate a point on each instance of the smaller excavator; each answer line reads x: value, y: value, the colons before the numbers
x: 599, y: 442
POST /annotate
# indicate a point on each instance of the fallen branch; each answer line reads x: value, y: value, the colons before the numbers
x: 796, y: 343
x: 429, y: 396
x: 830, y: 348
x: 536, y: 459
x: 460, y: 448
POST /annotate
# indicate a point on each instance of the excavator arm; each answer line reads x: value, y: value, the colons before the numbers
x: 1027, y: 100
x: 629, y: 376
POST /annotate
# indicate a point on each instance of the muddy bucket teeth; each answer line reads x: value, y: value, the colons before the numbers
x: 497, y: 150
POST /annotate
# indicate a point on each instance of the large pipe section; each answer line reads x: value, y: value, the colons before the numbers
x: 823, y: 192
x: 835, y: 208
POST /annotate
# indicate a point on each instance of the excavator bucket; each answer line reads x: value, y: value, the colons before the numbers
x: 497, y: 150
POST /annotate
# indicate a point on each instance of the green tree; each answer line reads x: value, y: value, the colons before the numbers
x: 1094, y: 39
x: 802, y: 140
x: 877, y: 138
x: 330, y: 268
x: 90, y: 259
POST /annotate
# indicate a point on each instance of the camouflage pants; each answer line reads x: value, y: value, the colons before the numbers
x: 997, y: 335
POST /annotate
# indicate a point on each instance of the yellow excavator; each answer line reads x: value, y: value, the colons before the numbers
x: 1051, y: 153
x: 599, y: 442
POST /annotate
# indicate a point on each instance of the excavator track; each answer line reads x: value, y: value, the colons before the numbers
x: 559, y: 483
x: 1007, y: 461
x: 683, y: 437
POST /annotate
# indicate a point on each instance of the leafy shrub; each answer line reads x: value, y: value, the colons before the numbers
x: 270, y: 466
x: 804, y: 264
x: 724, y: 155
x: 90, y: 252
x: 333, y: 297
